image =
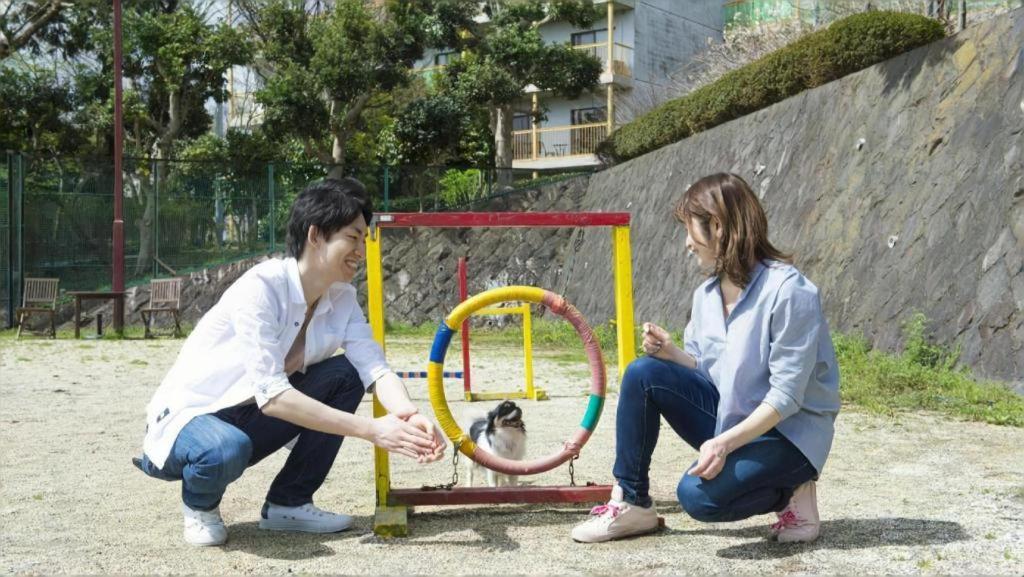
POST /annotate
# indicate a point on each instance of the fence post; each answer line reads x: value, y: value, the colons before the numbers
x: 156, y: 219
x: 9, y: 270
x: 273, y: 207
x: 16, y: 196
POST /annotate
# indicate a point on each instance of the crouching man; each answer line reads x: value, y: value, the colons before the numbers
x: 258, y: 372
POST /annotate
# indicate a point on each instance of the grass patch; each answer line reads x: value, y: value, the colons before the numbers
x: 923, y: 376
x: 1018, y: 494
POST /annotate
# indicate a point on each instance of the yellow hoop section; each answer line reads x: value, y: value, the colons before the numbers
x: 435, y: 371
x: 435, y: 382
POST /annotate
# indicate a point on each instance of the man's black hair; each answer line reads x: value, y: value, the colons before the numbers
x: 331, y: 205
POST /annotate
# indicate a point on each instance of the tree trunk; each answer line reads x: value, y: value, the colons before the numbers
x: 501, y: 126
x: 337, y: 157
x: 147, y: 236
x: 162, y: 149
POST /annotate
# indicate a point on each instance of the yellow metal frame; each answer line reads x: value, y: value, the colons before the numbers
x: 393, y: 521
x: 531, y: 393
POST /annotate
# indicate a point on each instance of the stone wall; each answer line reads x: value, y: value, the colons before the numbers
x: 899, y: 189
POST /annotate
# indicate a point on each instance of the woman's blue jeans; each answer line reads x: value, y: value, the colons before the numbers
x: 213, y: 450
x: 757, y: 478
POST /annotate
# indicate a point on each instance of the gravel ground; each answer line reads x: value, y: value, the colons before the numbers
x: 909, y: 494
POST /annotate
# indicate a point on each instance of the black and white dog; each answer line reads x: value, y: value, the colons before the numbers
x: 502, y: 433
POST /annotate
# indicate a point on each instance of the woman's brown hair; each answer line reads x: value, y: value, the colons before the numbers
x: 728, y: 199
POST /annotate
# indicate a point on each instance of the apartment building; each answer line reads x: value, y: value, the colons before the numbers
x: 639, y: 42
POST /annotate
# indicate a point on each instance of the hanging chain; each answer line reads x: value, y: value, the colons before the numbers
x: 455, y: 465
x: 455, y: 473
x: 572, y: 471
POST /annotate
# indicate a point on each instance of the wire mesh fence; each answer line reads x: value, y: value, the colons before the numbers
x: 57, y: 213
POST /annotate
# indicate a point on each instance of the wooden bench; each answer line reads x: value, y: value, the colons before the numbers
x: 40, y: 298
x: 164, y: 297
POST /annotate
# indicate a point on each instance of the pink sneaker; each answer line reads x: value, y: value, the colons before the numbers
x: 798, y: 522
x: 617, y: 520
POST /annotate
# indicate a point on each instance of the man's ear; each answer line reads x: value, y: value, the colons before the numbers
x: 313, y: 235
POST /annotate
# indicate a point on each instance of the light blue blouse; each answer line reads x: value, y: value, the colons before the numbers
x: 775, y: 348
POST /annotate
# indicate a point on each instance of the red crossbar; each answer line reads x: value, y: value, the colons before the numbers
x: 500, y: 219
x: 494, y: 495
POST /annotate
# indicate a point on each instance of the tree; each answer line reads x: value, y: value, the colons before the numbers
x: 501, y: 55
x: 22, y: 22
x: 174, y: 61
x: 33, y: 111
x: 324, y: 68
x: 432, y: 129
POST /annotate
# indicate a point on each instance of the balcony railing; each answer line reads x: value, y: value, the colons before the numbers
x: 558, y: 141
x: 622, y: 56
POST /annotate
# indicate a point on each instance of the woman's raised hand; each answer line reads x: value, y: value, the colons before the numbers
x: 655, y: 339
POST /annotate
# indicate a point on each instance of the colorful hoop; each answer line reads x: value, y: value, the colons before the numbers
x: 435, y: 370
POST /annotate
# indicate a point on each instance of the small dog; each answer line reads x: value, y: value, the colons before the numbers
x: 502, y: 433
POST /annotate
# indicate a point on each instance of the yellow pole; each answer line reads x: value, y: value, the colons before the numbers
x: 622, y: 257
x: 375, y: 306
x: 528, y: 351
x: 534, y: 145
x: 610, y: 108
x: 611, y: 35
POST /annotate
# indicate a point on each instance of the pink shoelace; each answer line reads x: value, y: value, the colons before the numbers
x: 602, y: 509
x: 786, y: 519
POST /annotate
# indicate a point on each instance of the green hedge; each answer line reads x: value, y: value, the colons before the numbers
x: 848, y: 45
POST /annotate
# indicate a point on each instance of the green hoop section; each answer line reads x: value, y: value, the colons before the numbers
x: 435, y: 371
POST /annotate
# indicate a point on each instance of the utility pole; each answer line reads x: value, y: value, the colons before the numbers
x: 117, y: 280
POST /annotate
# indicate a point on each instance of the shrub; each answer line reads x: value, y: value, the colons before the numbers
x: 847, y: 46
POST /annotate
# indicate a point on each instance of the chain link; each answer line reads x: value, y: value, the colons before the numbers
x: 572, y: 471
x: 455, y: 473
x: 455, y: 465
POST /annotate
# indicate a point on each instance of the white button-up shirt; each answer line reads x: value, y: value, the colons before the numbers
x: 237, y: 351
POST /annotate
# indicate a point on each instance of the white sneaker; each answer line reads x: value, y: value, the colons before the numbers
x: 308, y: 518
x: 204, y: 528
x: 799, y: 522
x: 617, y: 520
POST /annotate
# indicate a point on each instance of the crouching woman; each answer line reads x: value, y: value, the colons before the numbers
x: 754, y: 388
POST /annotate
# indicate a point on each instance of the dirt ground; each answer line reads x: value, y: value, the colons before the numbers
x: 911, y: 494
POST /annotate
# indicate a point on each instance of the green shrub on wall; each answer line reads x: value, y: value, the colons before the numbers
x: 848, y: 45
x: 459, y: 186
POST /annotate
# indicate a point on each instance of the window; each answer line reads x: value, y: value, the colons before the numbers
x: 589, y: 115
x: 521, y: 121
x: 590, y: 37
x: 445, y: 58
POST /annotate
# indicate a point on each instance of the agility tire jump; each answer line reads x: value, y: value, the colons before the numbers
x: 435, y: 370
